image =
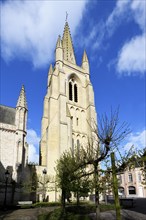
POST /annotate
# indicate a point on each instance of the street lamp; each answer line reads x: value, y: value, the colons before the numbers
x: 44, y: 172
x: 6, y: 184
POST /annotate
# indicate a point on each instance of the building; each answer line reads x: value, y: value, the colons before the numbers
x: 131, y: 183
x: 13, y: 145
x: 13, y: 149
x: 69, y: 107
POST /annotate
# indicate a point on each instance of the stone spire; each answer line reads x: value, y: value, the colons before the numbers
x: 59, y: 44
x: 22, y: 99
x: 59, y: 52
x: 85, y: 62
x: 68, y: 50
x: 50, y: 75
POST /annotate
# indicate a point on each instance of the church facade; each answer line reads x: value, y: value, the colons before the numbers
x: 13, y: 147
x: 69, y: 107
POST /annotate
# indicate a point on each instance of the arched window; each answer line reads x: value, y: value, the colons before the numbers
x: 132, y: 190
x: 78, y: 147
x: 75, y: 93
x: 73, y: 90
x: 121, y: 191
x: 70, y: 91
x: 72, y: 146
x: 77, y: 121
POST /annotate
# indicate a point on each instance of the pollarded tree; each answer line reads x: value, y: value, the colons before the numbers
x: 108, y: 134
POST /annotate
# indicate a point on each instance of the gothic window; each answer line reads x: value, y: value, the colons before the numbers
x: 72, y: 146
x: 70, y: 91
x: 73, y: 90
x: 77, y: 121
x: 75, y: 93
x: 78, y: 147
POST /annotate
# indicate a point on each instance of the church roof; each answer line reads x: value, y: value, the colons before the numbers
x: 67, y: 45
x: 7, y: 115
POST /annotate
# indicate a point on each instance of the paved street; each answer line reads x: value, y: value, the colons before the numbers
x: 138, y: 212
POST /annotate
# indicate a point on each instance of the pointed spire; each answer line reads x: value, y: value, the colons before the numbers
x: 85, y: 58
x: 22, y: 99
x: 85, y: 62
x: 59, y: 51
x: 59, y: 43
x: 50, y: 75
x: 67, y: 45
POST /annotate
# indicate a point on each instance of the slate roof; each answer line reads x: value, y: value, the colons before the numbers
x: 7, y: 115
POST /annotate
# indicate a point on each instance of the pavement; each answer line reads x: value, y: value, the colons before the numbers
x: 126, y: 215
x: 137, y: 212
x: 32, y: 214
x: 24, y: 214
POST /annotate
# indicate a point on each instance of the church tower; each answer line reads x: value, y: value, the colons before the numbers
x: 68, y: 105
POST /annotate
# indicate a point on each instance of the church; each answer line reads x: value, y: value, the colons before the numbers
x: 69, y: 107
x: 13, y: 147
x: 68, y: 112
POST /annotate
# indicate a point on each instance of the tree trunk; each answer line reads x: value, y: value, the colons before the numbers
x: 96, y: 192
x: 63, y: 200
x: 78, y: 200
x: 115, y: 188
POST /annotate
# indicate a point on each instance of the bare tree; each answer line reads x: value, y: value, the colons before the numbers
x: 107, y: 135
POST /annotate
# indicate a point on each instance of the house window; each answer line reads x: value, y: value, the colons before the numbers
x: 120, y: 179
x: 121, y: 191
x: 130, y: 178
x: 139, y: 177
x: 131, y: 190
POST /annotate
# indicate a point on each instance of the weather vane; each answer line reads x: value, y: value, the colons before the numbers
x: 66, y: 16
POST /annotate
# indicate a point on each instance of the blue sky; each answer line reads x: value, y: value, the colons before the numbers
x: 113, y: 33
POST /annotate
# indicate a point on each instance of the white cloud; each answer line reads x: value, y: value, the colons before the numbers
x: 33, y: 141
x: 137, y: 139
x: 33, y: 156
x: 29, y: 29
x: 132, y: 57
x: 139, y: 9
x: 117, y: 15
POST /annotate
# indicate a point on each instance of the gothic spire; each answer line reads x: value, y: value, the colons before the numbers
x: 67, y: 45
x: 85, y: 58
x: 85, y: 62
x: 59, y: 43
x: 22, y: 98
x: 50, y: 75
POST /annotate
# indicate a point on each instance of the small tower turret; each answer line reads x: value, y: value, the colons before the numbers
x: 20, y: 122
x: 59, y: 52
x: 21, y: 111
x: 50, y: 75
x: 85, y: 62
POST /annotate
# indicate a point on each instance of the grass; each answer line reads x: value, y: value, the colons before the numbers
x: 74, y: 213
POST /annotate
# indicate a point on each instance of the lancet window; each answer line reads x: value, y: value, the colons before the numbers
x: 73, y: 90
